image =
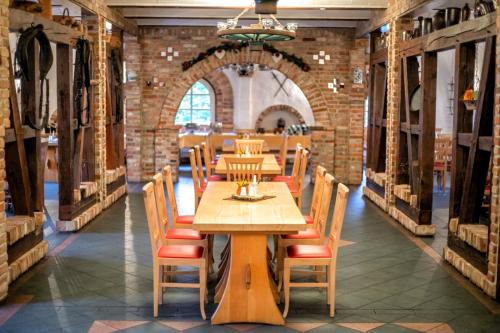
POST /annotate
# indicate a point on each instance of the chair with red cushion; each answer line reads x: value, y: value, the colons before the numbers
x: 320, y: 255
x: 178, y: 221
x: 176, y: 236
x: 314, y: 235
x: 184, y: 221
x: 319, y: 182
x: 295, y: 169
x: 199, y: 185
x: 298, y: 185
x: 209, y: 165
x: 281, y: 157
x: 166, y: 258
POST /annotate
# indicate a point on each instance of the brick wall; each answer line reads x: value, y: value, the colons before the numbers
x: 224, y: 100
x: 160, y: 99
x: 274, y: 108
x: 4, y: 123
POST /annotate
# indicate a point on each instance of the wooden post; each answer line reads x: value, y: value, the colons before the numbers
x: 427, y: 135
x: 65, y: 130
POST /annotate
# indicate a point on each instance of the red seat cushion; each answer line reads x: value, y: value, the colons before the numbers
x: 216, y: 178
x: 308, y: 219
x: 185, y: 219
x: 293, y: 189
x: 309, y: 251
x: 214, y: 162
x: 282, y: 179
x: 182, y: 233
x: 180, y: 251
x: 304, y: 234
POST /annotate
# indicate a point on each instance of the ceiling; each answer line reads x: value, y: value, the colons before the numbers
x: 307, y: 13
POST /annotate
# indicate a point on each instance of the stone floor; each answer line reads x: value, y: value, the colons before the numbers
x: 100, y: 280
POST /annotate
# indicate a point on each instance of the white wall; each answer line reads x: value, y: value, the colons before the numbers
x: 445, y: 75
x: 252, y: 95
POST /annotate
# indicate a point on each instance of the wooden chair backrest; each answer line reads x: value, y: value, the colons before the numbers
x: 299, y: 180
x: 296, y: 161
x: 167, y: 176
x: 161, y: 202
x: 207, y: 159
x: 284, y: 148
x: 442, y: 148
x: 324, y: 206
x: 199, y: 165
x: 152, y: 218
x: 194, y: 171
x: 319, y: 183
x: 211, y: 147
x: 338, y: 218
x: 243, y: 168
x: 254, y: 146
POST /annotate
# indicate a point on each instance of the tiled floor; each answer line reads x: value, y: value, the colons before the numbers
x: 100, y: 280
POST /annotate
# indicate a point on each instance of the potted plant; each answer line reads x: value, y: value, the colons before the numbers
x: 470, y: 99
x: 242, y: 184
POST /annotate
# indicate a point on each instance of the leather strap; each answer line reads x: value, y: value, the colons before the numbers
x: 81, y: 81
x: 22, y: 56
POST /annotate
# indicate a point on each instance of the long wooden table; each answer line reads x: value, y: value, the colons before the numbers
x: 269, y: 166
x: 248, y: 294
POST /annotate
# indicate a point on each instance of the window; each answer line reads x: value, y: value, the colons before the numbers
x: 196, y: 106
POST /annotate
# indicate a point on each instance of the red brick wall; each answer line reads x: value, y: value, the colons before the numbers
x: 336, y: 113
x: 224, y: 100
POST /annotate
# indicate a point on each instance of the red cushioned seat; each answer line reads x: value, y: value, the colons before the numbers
x: 188, y: 234
x: 439, y: 164
x: 308, y: 219
x: 309, y: 251
x: 216, y: 178
x: 185, y: 219
x: 292, y: 188
x: 304, y: 234
x: 214, y: 162
x: 282, y: 179
x: 180, y: 251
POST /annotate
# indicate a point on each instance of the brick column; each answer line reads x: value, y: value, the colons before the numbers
x: 166, y: 150
x: 100, y: 60
x: 358, y: 60
x: 322, y: 149
x: 133, y: 105
x: 393, y: 100
x: 4, y: 123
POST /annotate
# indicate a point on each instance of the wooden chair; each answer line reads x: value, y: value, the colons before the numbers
x: 243, y: 168
x: 254, y: 146
x: 442, y: 159
x: 199, y: 185
x: 295, y: 169
x: 178, y: 221
x: 178, y: 235
x: 166, y: 258
x: 319, y: 182
x: 310, y: 236
x: 281, y: 158
x: 324, y: 255
x: 209, y: 165
x: 297, y: 185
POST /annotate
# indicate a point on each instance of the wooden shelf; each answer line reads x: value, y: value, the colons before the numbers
x: 56, y: 32
x: 447, y: 38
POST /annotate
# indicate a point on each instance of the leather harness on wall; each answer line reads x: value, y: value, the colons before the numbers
x: 81, y: 81
x: 116, y: 62
x: 22, y: 56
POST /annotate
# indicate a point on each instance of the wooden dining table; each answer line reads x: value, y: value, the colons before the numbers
x: 270, y: 166
x: 248, y: 293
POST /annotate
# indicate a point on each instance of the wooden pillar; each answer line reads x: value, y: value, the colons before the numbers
x: 427, y: 135
x: 65, y: 130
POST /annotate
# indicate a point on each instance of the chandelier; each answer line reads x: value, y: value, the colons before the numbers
x: 267, y: 29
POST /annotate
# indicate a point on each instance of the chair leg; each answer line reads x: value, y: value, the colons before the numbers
x: 156, y: 285
x: 286, y: 287
x: 279, y: 260
x: 203, y: 285
x: 210, y: 253
x: 331, y: 289
x: 160, y: 289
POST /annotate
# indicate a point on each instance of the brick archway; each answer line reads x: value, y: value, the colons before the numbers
x: 165, y: 139
x: 224, y: 101
x: 278, y: 107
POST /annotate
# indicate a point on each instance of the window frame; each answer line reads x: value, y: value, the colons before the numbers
x: 192, y: 110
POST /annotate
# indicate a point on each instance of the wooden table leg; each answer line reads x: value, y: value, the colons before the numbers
x: 248, y: 297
